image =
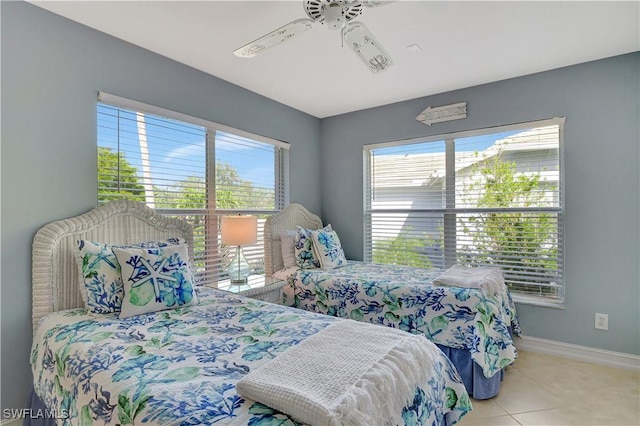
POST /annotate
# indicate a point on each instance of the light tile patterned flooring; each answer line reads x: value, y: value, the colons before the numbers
x: 541, y: 389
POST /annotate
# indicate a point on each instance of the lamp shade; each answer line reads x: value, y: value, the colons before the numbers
x: 239, y: 230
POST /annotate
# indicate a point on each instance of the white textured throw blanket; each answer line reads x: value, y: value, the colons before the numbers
x: 350, y: 373
x: 486, y: 278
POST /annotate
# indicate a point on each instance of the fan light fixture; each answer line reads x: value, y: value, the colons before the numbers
x: 334, y: 14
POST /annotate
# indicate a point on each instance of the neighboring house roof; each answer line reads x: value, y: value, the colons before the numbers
x: 429, y: 168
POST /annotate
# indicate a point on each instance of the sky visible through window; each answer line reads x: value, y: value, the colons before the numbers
x: 474, y: 143
x: 173, y: 141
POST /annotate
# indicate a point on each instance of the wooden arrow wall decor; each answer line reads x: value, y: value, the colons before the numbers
x: 443, y: 113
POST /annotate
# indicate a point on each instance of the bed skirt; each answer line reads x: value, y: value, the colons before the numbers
x: 37, y: 406
x: 478, y: 386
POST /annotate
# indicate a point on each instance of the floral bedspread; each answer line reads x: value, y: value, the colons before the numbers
x: 403, y: 297
x: 179, y: 367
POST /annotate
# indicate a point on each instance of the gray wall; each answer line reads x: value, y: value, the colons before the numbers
x: 52, y: 69
x: 600, y: 101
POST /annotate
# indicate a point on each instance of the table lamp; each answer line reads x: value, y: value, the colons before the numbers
x: 239, y: 231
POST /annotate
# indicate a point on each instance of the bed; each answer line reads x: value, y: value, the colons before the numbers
x: 473, y: 327
x: 186, y: 365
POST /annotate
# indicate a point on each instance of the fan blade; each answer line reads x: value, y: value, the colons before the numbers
x: 365, y: 45
x: 376, y: 3
x: 284, y: 33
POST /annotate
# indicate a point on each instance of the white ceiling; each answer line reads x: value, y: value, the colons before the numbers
x: 463, y: 44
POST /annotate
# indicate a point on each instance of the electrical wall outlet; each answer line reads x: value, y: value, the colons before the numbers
x: 602, y: 321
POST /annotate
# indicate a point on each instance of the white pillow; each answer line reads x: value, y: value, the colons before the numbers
x: 155, y: 279
x: 328, y: 249
x: 287, y: 244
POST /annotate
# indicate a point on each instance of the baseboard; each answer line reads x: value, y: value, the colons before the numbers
x: 579, y: 353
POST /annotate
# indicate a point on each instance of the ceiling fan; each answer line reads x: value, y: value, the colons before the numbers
x: 334, y: 14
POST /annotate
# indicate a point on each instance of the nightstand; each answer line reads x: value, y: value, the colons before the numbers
x: 258, y: 287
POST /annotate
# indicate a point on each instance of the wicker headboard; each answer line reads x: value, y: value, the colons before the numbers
x: 55, y: 272
x: 292, y: 216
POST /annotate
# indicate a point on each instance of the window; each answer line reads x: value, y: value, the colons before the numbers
x: 487, y: 197
x: 192, y: 169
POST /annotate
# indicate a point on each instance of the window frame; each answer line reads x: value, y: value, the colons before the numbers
x: 449, y: 213
x: 212, y: 267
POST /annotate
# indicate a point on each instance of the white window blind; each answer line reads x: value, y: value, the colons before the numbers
x: 192, y: 171
x: 487, y: 197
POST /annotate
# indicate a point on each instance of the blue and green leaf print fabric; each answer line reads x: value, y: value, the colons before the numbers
x: 403, y: 297
x: 306, y: 256
x: 155, y: 279
x: 328, y: 249
x: 180, y: 366
x: 101, y: 287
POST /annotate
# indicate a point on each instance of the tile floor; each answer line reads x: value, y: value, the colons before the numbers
x: 541, y: 389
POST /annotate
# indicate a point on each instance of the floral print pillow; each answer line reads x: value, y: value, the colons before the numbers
x: 155, y: 279
x: 101, y: 286
x: 328, y: 249
x: 305, y: 254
